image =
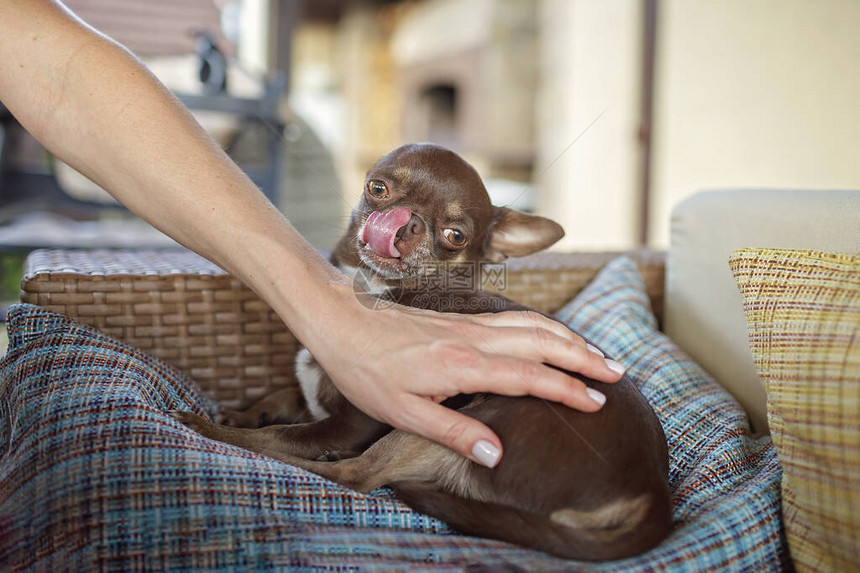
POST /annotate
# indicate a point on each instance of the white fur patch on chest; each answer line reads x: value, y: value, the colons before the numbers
x: 367, y: 279
x: 309, y: 374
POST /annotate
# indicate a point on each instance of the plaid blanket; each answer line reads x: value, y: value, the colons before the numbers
x: 97, y: 477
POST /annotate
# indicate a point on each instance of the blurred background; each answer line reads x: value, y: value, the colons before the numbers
x: 600, y: 114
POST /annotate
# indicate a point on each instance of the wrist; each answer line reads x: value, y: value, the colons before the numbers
x: 312, y: 297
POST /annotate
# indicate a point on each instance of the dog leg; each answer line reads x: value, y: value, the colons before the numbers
x: 285, y: 406
x: 396, y: 457
x: 349, y: 431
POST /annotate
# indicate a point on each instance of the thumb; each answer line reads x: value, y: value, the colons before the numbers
x: 454, y: 430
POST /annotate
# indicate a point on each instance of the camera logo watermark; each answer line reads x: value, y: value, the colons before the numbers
x: 447, y: 287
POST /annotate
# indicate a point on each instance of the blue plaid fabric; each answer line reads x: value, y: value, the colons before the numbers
x: 97, y: 477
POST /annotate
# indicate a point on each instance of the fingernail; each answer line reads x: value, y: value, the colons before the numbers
x: 596, y: 395
x: 615, y: 366
x: 594, y: 349
x: 486, y: 453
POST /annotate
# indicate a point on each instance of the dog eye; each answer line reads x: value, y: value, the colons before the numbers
x: 377, y: 189
x: 455, y: 237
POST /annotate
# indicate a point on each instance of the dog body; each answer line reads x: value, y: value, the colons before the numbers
x: 590, y: 486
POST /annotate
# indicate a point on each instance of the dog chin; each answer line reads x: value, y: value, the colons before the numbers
x: 410, y: 266
x: 386, y: 267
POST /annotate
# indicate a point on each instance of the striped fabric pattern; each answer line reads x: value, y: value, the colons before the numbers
x: 803, y: 314
x: 97, y: 477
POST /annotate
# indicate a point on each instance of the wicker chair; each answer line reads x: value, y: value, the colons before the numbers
x: 190, y: 313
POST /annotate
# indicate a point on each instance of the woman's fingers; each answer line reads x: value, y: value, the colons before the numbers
x: 510, y: 376
x: 452, y: 429
x: 525, y: 319
x: 545, y: 346
x: 407, y: 361
x: 513, y: 376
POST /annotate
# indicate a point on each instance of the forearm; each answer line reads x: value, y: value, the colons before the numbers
x: 96, y: 107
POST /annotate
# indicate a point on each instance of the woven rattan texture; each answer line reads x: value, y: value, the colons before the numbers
x: 185, y: 310
x: 546, y: 281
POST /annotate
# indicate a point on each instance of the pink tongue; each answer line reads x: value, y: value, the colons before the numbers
x: 380, y: 230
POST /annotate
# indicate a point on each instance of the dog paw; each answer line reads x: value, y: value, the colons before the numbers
x: 236, y: 419
x: 192, y: 421
x: 336, y: 456
x: 328, y: 456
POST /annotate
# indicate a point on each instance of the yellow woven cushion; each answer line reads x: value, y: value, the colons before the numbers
x: 803, y: 313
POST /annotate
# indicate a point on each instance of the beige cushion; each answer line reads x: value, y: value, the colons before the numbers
x: 703, y: 312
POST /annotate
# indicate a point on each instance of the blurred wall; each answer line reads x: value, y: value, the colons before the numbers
x: 587, y: 113
x: 755, y: 94
x: 747, y: 94
x: 484, y: 52
x: 369, y: 88
x: 255, y: 42
x: 388, y: 57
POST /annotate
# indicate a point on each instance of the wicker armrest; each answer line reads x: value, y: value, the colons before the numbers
x: 190, y: 313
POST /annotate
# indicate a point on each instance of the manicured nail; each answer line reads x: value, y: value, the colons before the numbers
x: 615, y: 366
x: 596, y: 395
x: 594, y: 349
x: 486, y: 453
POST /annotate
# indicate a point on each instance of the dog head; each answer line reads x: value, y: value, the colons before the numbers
x: 423, y: 204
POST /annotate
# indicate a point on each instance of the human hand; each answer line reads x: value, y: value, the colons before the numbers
x: 397, y: 364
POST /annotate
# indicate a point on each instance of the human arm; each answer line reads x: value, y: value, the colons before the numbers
x: 95, y: 106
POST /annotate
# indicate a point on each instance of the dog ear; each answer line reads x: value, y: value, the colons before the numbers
x: 516, y: 234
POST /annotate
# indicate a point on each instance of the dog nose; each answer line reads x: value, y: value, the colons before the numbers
x: 414, y: 228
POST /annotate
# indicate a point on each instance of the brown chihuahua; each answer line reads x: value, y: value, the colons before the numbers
x: 591, y: 486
